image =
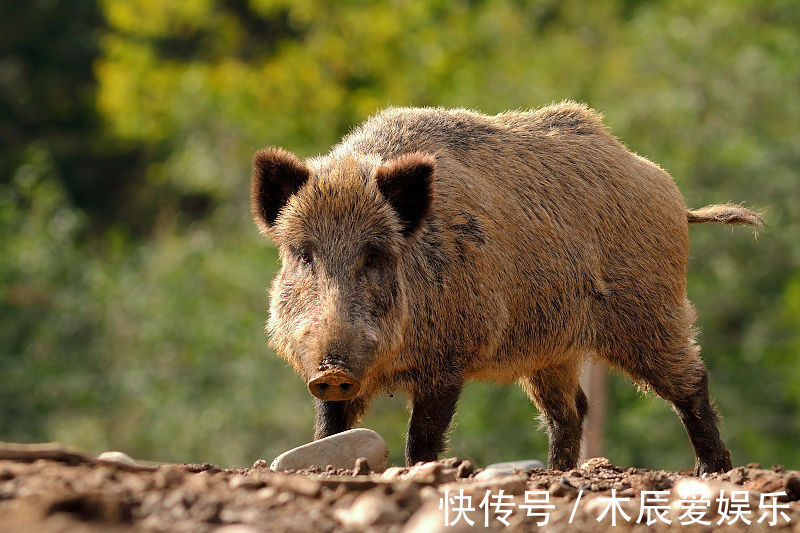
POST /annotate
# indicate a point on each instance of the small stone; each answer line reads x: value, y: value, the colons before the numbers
x: 452, y: 462
x: 244, y: 482
x: 737, y: 476
x: 765, y: 484
x: 261, y: 464
x: 168, y: 477
x: 428, y: 494
x: 509, y: 468
x: 372, y: 507
x: 297, y: 484
x: 653, y: 481
x: 445, y: 475
x: 522, y: 466
x: 510, y: 484
x: 407, y: 493
x: 431, y: 473
x: 465, y: 469
x: 429, y: 518
x: 559, y: 489
x: 594, y: 506
x: 267, y: 493
x: 424, y: 472
x: 116, y: 457
x: 393, y: 472
x: 339, y: 451
x: 207, y: 508
x: 597, y: 463
x: 236, y: 528
x: 706, y: 489
x: 488, y: 474
x: 284, y: 498
x: 198, y: 482
x: 361, y: 468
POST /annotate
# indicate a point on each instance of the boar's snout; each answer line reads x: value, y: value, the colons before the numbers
x: 334, y: 385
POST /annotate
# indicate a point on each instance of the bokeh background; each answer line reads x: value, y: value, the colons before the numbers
x: 132, y: 279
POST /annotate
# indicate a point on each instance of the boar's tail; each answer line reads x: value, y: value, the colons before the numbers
x: 724, y: 214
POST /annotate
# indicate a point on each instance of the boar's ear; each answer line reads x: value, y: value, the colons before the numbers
x: 407, y: 183
x: 277, y: 175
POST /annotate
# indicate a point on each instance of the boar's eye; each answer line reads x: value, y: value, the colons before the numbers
x: 306, y: 258
x: 372, y: 259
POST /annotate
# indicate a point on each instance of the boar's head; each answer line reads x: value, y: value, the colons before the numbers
x: 344, y: 226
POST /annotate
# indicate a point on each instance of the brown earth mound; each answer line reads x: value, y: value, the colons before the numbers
x: 70, y: 492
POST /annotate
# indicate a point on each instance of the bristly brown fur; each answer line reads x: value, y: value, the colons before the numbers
x: 546, y: 243
x: 724, y: 214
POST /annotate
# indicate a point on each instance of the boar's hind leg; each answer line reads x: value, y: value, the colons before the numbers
x: 335, y: 417
x: 562, y: 406
x: 431, y: 413
x: 682, y: 380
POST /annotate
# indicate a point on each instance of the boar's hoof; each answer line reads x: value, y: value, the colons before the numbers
x: 334, y: 385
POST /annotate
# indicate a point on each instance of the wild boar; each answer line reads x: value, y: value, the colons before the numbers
x: 435, y: 246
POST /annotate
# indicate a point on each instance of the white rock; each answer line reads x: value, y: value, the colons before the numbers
x: 339, y: 451
x: 508, y: 468
x: 116, y: 457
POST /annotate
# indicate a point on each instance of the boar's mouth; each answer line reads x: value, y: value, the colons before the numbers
x: 333, y: 384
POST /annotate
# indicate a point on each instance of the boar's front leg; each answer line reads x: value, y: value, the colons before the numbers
x: 431, y: 412
x: 335, y: 417
x: 563, y: 407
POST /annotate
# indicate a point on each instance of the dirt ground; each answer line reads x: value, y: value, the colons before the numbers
x: 73, y: 493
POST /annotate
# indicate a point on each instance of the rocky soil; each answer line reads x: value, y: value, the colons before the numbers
x: 71, y: 492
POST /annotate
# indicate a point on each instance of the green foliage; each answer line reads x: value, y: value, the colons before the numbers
x: 132, y: 278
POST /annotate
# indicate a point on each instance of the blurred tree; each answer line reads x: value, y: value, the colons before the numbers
x: 47, y: 98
